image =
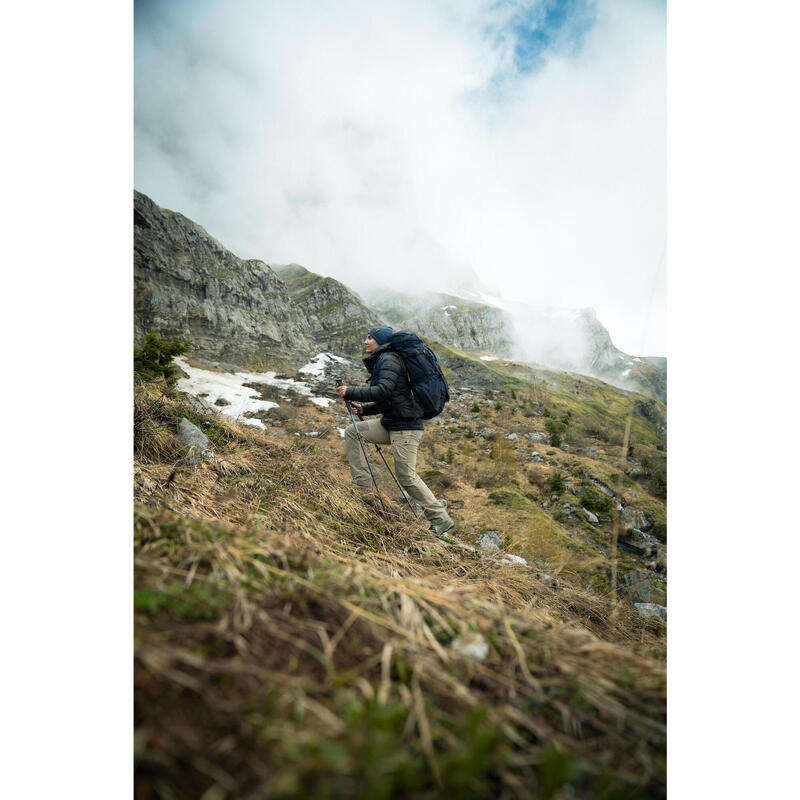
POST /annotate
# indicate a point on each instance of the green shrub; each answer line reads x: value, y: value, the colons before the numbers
x: 555, y: 429
x: 154, y: 359
x: 592, y: 500
x: 557, y: 485
x: 475, y: 407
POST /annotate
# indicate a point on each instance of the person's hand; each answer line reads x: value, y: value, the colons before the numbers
x: 357, y: 408
x: 341, y: 390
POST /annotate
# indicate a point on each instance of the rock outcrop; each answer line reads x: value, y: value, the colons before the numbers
x: 188, y: 286
x: 563, y: 339
x: 449, y: 319
x: 337, y: 317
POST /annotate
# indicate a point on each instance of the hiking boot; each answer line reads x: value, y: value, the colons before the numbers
x: 442, y: 527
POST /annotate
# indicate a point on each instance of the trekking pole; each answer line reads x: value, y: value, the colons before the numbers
x: 399, y: 486
x: 364, y: 451
x: 383, y: 457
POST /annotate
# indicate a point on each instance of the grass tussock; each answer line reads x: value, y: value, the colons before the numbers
x: 291, y: 643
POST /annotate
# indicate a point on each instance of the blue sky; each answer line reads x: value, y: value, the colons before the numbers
x: 537, y: 28
x: 523, y: 142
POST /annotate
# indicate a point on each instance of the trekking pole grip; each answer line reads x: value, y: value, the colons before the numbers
x: 340, y: 382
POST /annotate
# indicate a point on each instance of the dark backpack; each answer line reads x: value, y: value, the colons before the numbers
x: 424, y: 373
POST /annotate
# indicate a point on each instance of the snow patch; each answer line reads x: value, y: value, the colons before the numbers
x: 317, y: 364
x: 515, y: 559
x: 240, y: 399
x: 488, y: 358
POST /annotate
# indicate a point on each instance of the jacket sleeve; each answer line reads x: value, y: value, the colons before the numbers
x: 388, y: 371
x: 368, y: 409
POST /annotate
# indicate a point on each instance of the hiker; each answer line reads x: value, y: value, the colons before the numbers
x: 389, y: 394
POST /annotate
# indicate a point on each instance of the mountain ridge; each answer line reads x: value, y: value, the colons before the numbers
x: 187, y: 285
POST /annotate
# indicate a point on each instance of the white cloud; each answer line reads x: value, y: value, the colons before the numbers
x: 366, y: 140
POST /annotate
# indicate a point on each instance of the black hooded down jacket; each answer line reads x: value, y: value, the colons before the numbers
x: 388, y: 393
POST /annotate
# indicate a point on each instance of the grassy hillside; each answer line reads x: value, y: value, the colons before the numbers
x: 290, y: 642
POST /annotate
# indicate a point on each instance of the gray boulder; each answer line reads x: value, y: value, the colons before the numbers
x: 512, y: 437
x: 536, y: 436
x: 591, y: 517
x: 651, y: 610
x: 189, y: 435
x: 638, y: 542
x: 602, y: 487
x: 661, y: 557
x: 633, y: 518
x: 636, y: 585
x: 491, y: 541
x: 547, y: 580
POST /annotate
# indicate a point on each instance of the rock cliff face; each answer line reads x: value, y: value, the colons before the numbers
x: 337, y: 317
x: 452, y: 320
x: 607, y: 362
x: 188, y: 286
x: 573, y: 340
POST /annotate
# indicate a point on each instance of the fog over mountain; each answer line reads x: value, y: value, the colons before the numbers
x: 417, y: 144
x: 188, y: 285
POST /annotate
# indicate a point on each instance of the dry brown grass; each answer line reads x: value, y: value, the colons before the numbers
x: 272, y: 602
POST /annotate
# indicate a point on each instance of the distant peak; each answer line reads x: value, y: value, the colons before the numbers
x: 287, y: 271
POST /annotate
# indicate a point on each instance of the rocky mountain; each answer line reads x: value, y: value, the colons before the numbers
x: 247, y: 313
x: 575, y: 340
x: 188, y: 286
x: 570, y: 340
x: 337, y: 317
x: 452, y: 320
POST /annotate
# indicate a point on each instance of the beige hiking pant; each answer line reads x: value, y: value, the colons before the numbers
x: 404, y: 451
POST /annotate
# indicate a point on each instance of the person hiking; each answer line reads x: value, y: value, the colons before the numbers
x: 389, y: 394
